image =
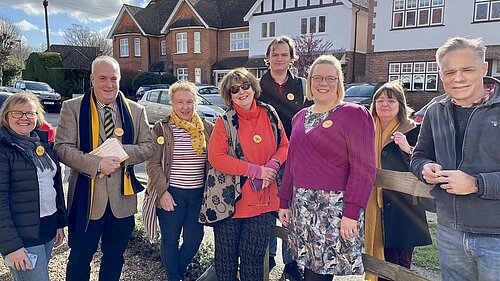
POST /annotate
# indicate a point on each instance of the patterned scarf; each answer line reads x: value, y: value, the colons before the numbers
x: 79, y: 215
x: 194, y: 128
x: 29, y: 145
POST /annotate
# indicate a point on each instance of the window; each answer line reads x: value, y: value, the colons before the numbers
x: 123, y: 47
x: 197, y: 48
x: 415, y: 76
x: 486, y: 10
x: 181, y: 39
x: 417, y: 13
x: 182, y: 74
x: 164, y: 98
x: 137, y: 47
x: 313, y: 25
x: 267, y: 29
x: 495, y: 70
x: 163, y: 47
x: 239, y: 41
x: 153, y: 96
x: 197, y: 75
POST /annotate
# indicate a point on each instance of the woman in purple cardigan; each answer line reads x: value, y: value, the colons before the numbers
x: 328, y: 178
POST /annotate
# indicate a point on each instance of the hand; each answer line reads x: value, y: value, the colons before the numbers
x: 348, y: 228
x: 268, y: 174
x: 400, y: 139
x: 284, y: 216
x: 431, y: 175
x: 167, y: 202
x: 109, y: 164
x: 19, y: 260
x: 458, y: 182
x: 266, y: 183
x: 59, y: 239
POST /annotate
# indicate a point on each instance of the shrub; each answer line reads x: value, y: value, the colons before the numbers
x: 145, y: 78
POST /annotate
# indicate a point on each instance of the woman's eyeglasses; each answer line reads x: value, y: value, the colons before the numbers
x: 16, y: 114
x: 236, y: 88
x: 386, y: 101
x: 328, y: 79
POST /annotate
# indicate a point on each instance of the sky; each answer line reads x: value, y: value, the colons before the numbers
x: 28, y: 16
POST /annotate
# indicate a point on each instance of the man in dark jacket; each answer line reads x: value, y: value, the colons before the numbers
x: 285, y: 92
x: 458, y: 151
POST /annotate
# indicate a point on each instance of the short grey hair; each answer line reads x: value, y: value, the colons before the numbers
x: 107, y: 59
x: 459, y: 43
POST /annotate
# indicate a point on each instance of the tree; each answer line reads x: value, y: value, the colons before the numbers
x: 309, y: 47
x: 79, y: 35
x: 9, y: 36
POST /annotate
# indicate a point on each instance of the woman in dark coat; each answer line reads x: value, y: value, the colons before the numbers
x: 32, y: 211
x: 404, y: 224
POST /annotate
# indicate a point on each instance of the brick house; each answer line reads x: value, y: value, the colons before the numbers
x: 341, y: 22
x: 194, y: 40
x: 405, y: 34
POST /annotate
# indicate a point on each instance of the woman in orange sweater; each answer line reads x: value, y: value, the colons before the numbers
x: 247, y: 147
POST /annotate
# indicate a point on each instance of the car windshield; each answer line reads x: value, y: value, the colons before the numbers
x: 204, y: 101
x: 360, y: 91
x: 38, y: 86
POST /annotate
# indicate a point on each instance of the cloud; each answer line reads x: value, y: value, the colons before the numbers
x: 83, y: 11
x: 25, y: 25
x: 57, y: 33
x: 144, y: 3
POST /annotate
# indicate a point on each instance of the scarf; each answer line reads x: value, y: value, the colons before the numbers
x: 29, y: 145
x: 374, y: 243
x: 81, y: 208
x: 194, y: 128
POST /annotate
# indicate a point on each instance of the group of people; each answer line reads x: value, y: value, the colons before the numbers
x: 286, y: 146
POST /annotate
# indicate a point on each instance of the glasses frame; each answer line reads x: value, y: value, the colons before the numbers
x: 235, y: 89
x: 33, y: 113
x: 327, y: 79
x: 386, y: 101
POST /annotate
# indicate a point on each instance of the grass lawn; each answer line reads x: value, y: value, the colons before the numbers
x: 427, y: 256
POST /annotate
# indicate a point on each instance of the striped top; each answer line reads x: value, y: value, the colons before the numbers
x: 188, y: 169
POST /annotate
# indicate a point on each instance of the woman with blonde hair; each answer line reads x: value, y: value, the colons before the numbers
x: 328, y: 178
x: 176, y: 177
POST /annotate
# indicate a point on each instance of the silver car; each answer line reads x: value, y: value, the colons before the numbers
x: 211, y: 93
x: 157, y: 104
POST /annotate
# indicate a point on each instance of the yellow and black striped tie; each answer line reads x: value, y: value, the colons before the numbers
x: 108, y: 122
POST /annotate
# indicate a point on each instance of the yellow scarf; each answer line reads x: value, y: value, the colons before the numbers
x: 374, y: 243
x: 194, y: 128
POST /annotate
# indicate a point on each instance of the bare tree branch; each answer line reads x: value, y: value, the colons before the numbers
x: 78, y: 35
x: 9, y: 35
x: 309, y: 47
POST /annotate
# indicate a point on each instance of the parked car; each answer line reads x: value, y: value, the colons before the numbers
x: 45, y: 126
x: 211, y: 93
x: 361, y: 93
x: 50, y: 100
x: 142, y: 89
x: 9, y: 89
x: 157, y: 104
x: 419, y: 115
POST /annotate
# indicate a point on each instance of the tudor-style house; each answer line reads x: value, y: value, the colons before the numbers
x: 341, y: 22
x: 405, y: 35
x: 191, y: 39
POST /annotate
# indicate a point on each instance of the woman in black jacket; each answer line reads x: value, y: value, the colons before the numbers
x: 401, y: 224
x: 32, y: 210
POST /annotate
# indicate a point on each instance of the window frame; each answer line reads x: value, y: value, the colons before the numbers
x: 239, y: 41
x: 411, y: 13
x: 182, y: 73
x: 124, y: 48
x: 489, y: 10
x: 267, y: 29
x: 196, y: 42
x: 197, y: 75
x: 306, y: 25
x: 415, y: 74
x: 137, y: 47
x: 163, y: 47
x: 181, y: 43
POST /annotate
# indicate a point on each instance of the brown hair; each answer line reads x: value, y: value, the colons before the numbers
x: 331, y: 60
x: 282, y: 40
x: 393, y: 89
x: 238, y: 75
x: 21, y: 98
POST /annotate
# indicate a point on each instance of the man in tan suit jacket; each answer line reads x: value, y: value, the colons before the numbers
x: 100, y: 207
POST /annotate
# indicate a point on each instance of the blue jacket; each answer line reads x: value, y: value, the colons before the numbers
x: 475, y: 213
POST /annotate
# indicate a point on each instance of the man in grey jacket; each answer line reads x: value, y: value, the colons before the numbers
x: 457, y: 150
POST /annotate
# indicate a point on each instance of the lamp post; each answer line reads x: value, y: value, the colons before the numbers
x: 45, y: 4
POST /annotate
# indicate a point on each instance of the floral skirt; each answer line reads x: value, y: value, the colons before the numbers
x: 315, y: 241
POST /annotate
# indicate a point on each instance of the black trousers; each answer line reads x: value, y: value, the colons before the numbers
x: 246, y: 239
x: 114, y: 234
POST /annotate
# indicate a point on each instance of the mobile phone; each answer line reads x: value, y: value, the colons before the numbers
x: 33, y: 258
x: 256, y: 184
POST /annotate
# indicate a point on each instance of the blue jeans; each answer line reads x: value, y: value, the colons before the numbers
x: 40, y: 272
x: 184, y: 218
x: 468, y: 256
